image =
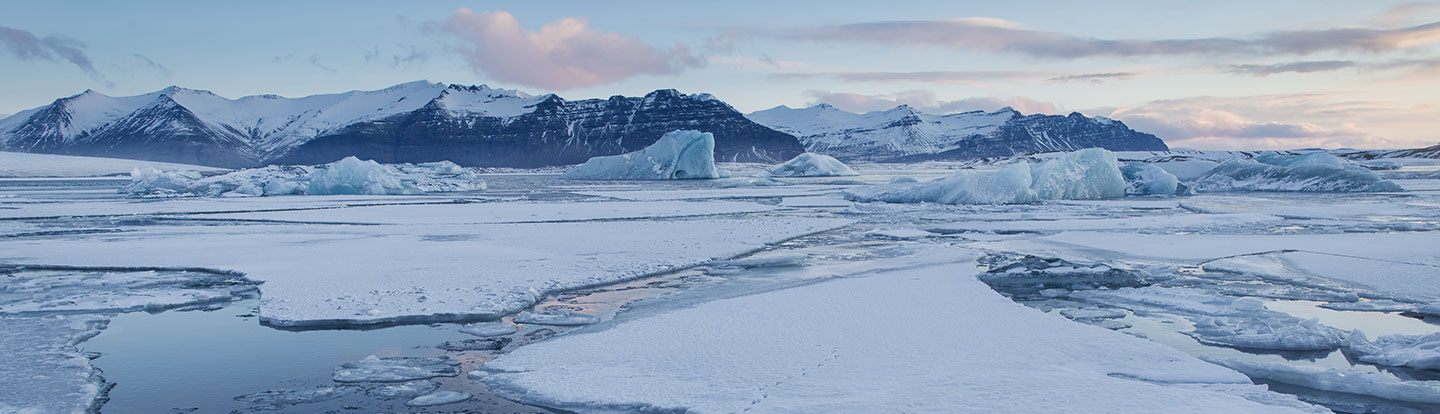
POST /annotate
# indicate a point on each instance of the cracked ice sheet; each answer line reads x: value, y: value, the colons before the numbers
x: 506, y: 212
x: 70, y: 208
x: 1148, y: 222
x: 373, y: 274
x: 1403, y: 264
x: 926, y: 339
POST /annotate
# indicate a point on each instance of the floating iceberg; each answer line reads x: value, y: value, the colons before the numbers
x: 1314, y: 172
x: 1414, y: 351
x: 1088, y: 174
x: 680, y: 154
x: 395, y: 369
x: 347, y: 176
x: 1146, y: 179
x: 438, y: 398
x: 1375, y: 384
x: 812, y: 165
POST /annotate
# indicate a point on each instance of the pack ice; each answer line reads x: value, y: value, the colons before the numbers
x: 1089, y: 174
x: 347, y: 176
x: 812, y: 165
x: 1313, y: 172
x: 679, y: 154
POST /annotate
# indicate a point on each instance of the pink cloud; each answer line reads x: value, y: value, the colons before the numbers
x: 1280, y: 122
x: 563, y: 54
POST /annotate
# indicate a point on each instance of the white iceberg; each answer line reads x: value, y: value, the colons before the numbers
x: 489, y: 329
x: 812, y: 165
x: 1314, y: 172
x: 1414, y: 351
x: 1088, y: 174
x: 1375, y: 384
x: 1147, y: 179
x: 395, y: 369
x: 347, y: 176
x: 680, y: 154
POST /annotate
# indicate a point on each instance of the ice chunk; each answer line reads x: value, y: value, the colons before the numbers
x: 474, y: 344
x: 1267, y: 330
x: 1088, y: 174
x: 1414, y: 351
x: 680, y: 154
x: 1146, y: 179
x: 559, y: 318
x: 1093, y: 313
x: 410, y: 389
x: 1375, y: 384
x: 488, y: 329
x: 812, y: 165
x: 347, y: 176
x: 395, y: 369
x: 1049, y: 272
x: 302, y: 396
x: 1315, y: 172
x: 438, y: 398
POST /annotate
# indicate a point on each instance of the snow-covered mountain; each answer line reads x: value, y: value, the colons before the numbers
x: 1432, y: 151
x: 904, y: 134
x: 411, y: 122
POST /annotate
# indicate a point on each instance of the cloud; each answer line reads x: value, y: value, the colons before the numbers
x: 1094, y: 77
x: 925, y: 101
x: 1296, y: 67
x: 153, y: 65
x: 996, y: 35
x: 416, y: 56
x: 55, y: 48
x: 372, y: 54
x: 1404, y: 13
x: 1278, y: 122
x: 563, y: 54
x: 315, y: 61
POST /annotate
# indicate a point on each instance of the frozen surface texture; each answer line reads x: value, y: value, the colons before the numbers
x: 1314, y: 172
x: 864, y: 344
x: 1414, y: 351
x: 1375, y: 384
x: 42, y: 370
x: 812, y: 165
x: 679, y: 154
x: 1089, y: 174
x: 347, y: 176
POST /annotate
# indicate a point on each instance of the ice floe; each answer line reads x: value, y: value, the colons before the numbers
x: 300, y: 396
x: 1413, y: 351
x: 408, y: 389
x: 489, y: 329
x: 812, y: 165
x: 438, y: 398
x: 679, y: 154
x: 1375, y: 384
x: 395, y: 369
x: 347, y: 176
x: 556, y: 317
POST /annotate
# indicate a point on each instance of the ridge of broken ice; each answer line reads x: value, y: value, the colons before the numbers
x: 1088, y: 174
x: 346, y: 176
x: 395, y: 369
x: 1414, y: 351
x: 679, y: 154
x: 1375, y: 384
x: 812, y: 165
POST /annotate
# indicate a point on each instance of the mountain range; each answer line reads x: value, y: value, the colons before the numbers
x: 487, y: 127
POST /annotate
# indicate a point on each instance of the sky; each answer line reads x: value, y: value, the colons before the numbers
x: 1207, y: 75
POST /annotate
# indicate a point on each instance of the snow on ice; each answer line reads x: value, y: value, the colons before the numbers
x: 1088, y: 174
x: 812, y: 165
x: 679, y: 154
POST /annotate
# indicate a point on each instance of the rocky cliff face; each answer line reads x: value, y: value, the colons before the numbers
x: 413, y: 122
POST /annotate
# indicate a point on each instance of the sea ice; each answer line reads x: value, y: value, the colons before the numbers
x: 1414, y: 351
x: 438, y: 398
x: 409, y: 389
x: 489, y: 329
x: 1314, y: 172
x: 301, y: 396
x: 1375, y: 384
x: 679, y: 154
x: 1222, y: 320
x: 821, y: 348
x: 812, y: 165
x: 395, y: 369
x: 557, y: 317
x: 1087, y: 174
x: 1147, y: 179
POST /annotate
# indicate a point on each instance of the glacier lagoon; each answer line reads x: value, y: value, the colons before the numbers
x: 1295, y: 253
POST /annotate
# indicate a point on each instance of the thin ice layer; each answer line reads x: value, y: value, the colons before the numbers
x: 865, y: 344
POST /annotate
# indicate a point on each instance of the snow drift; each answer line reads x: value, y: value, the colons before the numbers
x: 812, y: 165
x: 1314, y: 172
x: 1088, y: 174
x: 347, y: 176
x: 679, y: 154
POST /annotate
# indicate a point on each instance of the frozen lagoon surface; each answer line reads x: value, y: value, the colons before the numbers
x: 708, y: 297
